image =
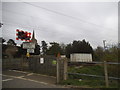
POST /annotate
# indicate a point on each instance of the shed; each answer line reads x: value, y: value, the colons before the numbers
x: 80, y: 57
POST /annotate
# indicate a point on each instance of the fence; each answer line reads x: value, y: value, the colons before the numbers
x: 47, y: 65
x: 104, y: 64
x: 11, y: 63
x: 31, y: 64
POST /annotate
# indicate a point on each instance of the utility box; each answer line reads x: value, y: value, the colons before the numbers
x: 80, y: 57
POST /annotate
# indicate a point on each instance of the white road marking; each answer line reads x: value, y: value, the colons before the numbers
x: 7, y: 80
x: 21, y: 76
x: 19, y: 71
x: 29, y: 74
x: 25, y: 79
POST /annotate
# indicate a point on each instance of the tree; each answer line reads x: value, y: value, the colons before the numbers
x: 10, y: 49
x: 54, y: 49
x: 3, y: 40
x: 37, y: 49
x: 63, y: 46
x: 78, y: 47
x: 98, y: 53
x: 111, y: 54
x: 11, y: 42
x: 44, y: 47
x: 68, y: 50
x: 3, y: 47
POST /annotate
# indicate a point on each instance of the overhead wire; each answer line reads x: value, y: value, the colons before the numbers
x: 24, y: 26
x: 59, y: 13
x: 20, y: 25
x: 40, y: 18
x: 6, y: 22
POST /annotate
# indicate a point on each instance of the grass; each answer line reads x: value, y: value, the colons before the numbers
x: 83, y: 83
x: 86, y: 81
x: 89, y: 83
x: 94, y: 70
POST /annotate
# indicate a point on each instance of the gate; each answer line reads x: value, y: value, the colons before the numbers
x: 43, y: 64
x: 32, y: 64
x: 47, y: 65
x: 15, y: 63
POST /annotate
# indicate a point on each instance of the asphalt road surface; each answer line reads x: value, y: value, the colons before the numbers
x: 16, y: 79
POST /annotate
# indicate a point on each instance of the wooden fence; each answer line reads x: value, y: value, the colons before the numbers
x: 105, y: 64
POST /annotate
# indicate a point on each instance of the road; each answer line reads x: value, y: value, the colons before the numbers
x: 19, y: 79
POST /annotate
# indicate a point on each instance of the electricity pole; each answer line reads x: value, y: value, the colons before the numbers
x: 105, y: 68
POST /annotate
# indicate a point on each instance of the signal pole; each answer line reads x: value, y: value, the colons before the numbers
x: 105, y: 68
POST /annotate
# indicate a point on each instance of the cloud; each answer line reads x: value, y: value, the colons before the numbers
x: 92, y: 21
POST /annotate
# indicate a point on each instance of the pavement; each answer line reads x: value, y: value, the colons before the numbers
x: 20, y: 79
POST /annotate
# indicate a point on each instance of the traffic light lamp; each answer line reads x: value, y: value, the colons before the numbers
x: 23, y: 35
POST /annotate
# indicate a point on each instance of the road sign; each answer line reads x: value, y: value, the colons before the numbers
x: 28, y: 55
x: 30, y: 50
x: 54, y: 62
x: 28, y: 45
x: 41, y: 60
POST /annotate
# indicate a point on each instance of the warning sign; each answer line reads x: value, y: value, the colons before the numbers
x: 54, y: 62
x: 41, y: 60
x: 30, y: 50
x: 28, y: 55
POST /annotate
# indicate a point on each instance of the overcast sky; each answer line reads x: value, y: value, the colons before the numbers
x: 62, y: 22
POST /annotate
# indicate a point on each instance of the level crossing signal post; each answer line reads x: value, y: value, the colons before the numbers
x: 23, y: 35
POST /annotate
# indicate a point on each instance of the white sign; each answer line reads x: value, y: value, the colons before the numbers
x: 80, y: 57
x: 28, y: 45
x: 30, y: 50
x: 41, y: 60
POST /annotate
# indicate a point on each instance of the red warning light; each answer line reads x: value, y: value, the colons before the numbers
x: 23, y: 35
x: 17, y: 39
x: 29, y: 33
x: 30, y: 40
x: 17, y: 30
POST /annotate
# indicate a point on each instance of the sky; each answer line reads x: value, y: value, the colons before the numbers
x: 62, y: 22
